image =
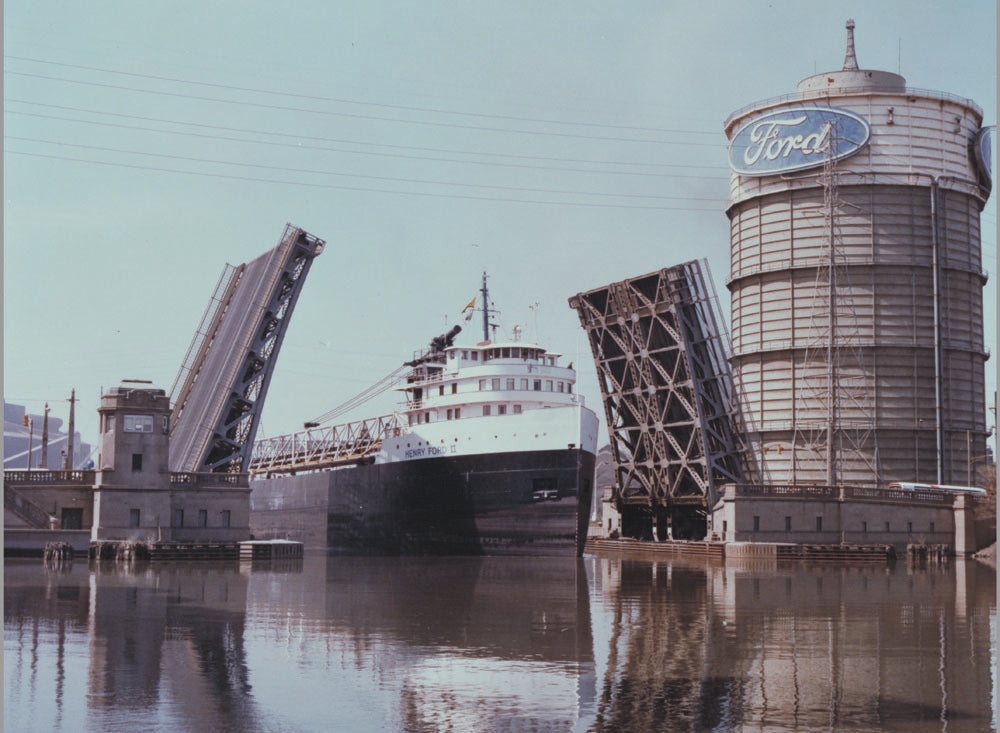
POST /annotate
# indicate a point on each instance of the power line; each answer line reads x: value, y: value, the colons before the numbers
x: 351, y: 115
x: 299, y: 146
x: 358, y: 188
x: 392, y: 179
x: 450, y: 151
x: 340, y: 100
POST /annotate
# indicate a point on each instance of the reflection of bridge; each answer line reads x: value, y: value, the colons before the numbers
x: 743, y: 646
x: 219, y: 392
x: 326, y: 447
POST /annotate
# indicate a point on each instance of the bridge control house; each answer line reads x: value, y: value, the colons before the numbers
x: 135, y: 497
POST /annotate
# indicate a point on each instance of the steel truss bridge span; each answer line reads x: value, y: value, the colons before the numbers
x: 314, y: 449
x: 219, y: 392
x: 673, y: 413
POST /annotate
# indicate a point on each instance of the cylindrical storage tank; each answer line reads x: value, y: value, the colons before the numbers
x: 856, y: 280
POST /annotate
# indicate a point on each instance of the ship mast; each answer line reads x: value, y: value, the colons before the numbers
x: 486, y: 310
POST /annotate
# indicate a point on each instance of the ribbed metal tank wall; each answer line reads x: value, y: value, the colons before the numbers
x: 895, y: 419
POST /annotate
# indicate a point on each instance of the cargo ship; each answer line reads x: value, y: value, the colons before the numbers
x: 491, y: 451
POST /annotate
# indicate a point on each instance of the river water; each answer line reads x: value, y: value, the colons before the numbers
x: 498, y: 644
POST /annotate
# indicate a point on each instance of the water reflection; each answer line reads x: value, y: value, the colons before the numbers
x: 474, y: 644
x: 157, y: 641
x: 724, y: 647
x: 463, y: 643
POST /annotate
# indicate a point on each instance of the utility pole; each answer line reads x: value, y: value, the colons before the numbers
x: 68, y: 466
x: 44, y: 461
x: 31, y: 439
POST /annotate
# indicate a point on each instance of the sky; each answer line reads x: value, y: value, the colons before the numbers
x: 557, y: 146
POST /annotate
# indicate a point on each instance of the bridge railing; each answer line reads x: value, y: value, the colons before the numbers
x: 873, y: 493
x: 207, y: 479
x: 26, y: 509
x: 35, y: 476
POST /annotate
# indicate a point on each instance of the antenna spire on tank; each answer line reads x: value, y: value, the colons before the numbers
x: 850, y: 59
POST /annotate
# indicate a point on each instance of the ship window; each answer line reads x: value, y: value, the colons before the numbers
x: 501, y: 409
x: 454, y: 387
x: 109, y: 423
x: 465, y: 354
x: 452, y: 354
x: 133, y: 517
x: 486, y: 410
x: 788, y: 524
x: 756, y: 523
x: 506, y: 353
x: 496, y: 383
x: 538, y: 385
x: 137, y: 461
x: 475, y: 355
x: 548, y: 385
x: 458, y: 412
x: 482, y: 385
x: 569, y: 386
x: 510, y: 384
x: 427, y: 417
x: 411, y: 420
x: 559, y: 386
x: 226, y: 517
x: 932, y: 527
x: 516, y: 353
x: 517, y: 409
x: 886, y: 526
x: 524, y: 384
x: 203, y: 517
x: 819, y: 524
x: 449, y: 414
x: 178, y: 517
x: 864, y: 527
x: 441, y: 390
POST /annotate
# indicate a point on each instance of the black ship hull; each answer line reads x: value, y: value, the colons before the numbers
x: 523, y: 503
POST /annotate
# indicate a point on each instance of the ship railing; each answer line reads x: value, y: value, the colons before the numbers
x: 529, y: 396
x: 323, y: 447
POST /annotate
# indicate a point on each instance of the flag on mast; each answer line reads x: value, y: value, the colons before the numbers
x: 470, y: 308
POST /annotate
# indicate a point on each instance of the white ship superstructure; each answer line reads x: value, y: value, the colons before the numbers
x: 491, y: 398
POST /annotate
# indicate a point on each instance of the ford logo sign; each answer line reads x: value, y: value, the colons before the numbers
x: 796, y: 139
